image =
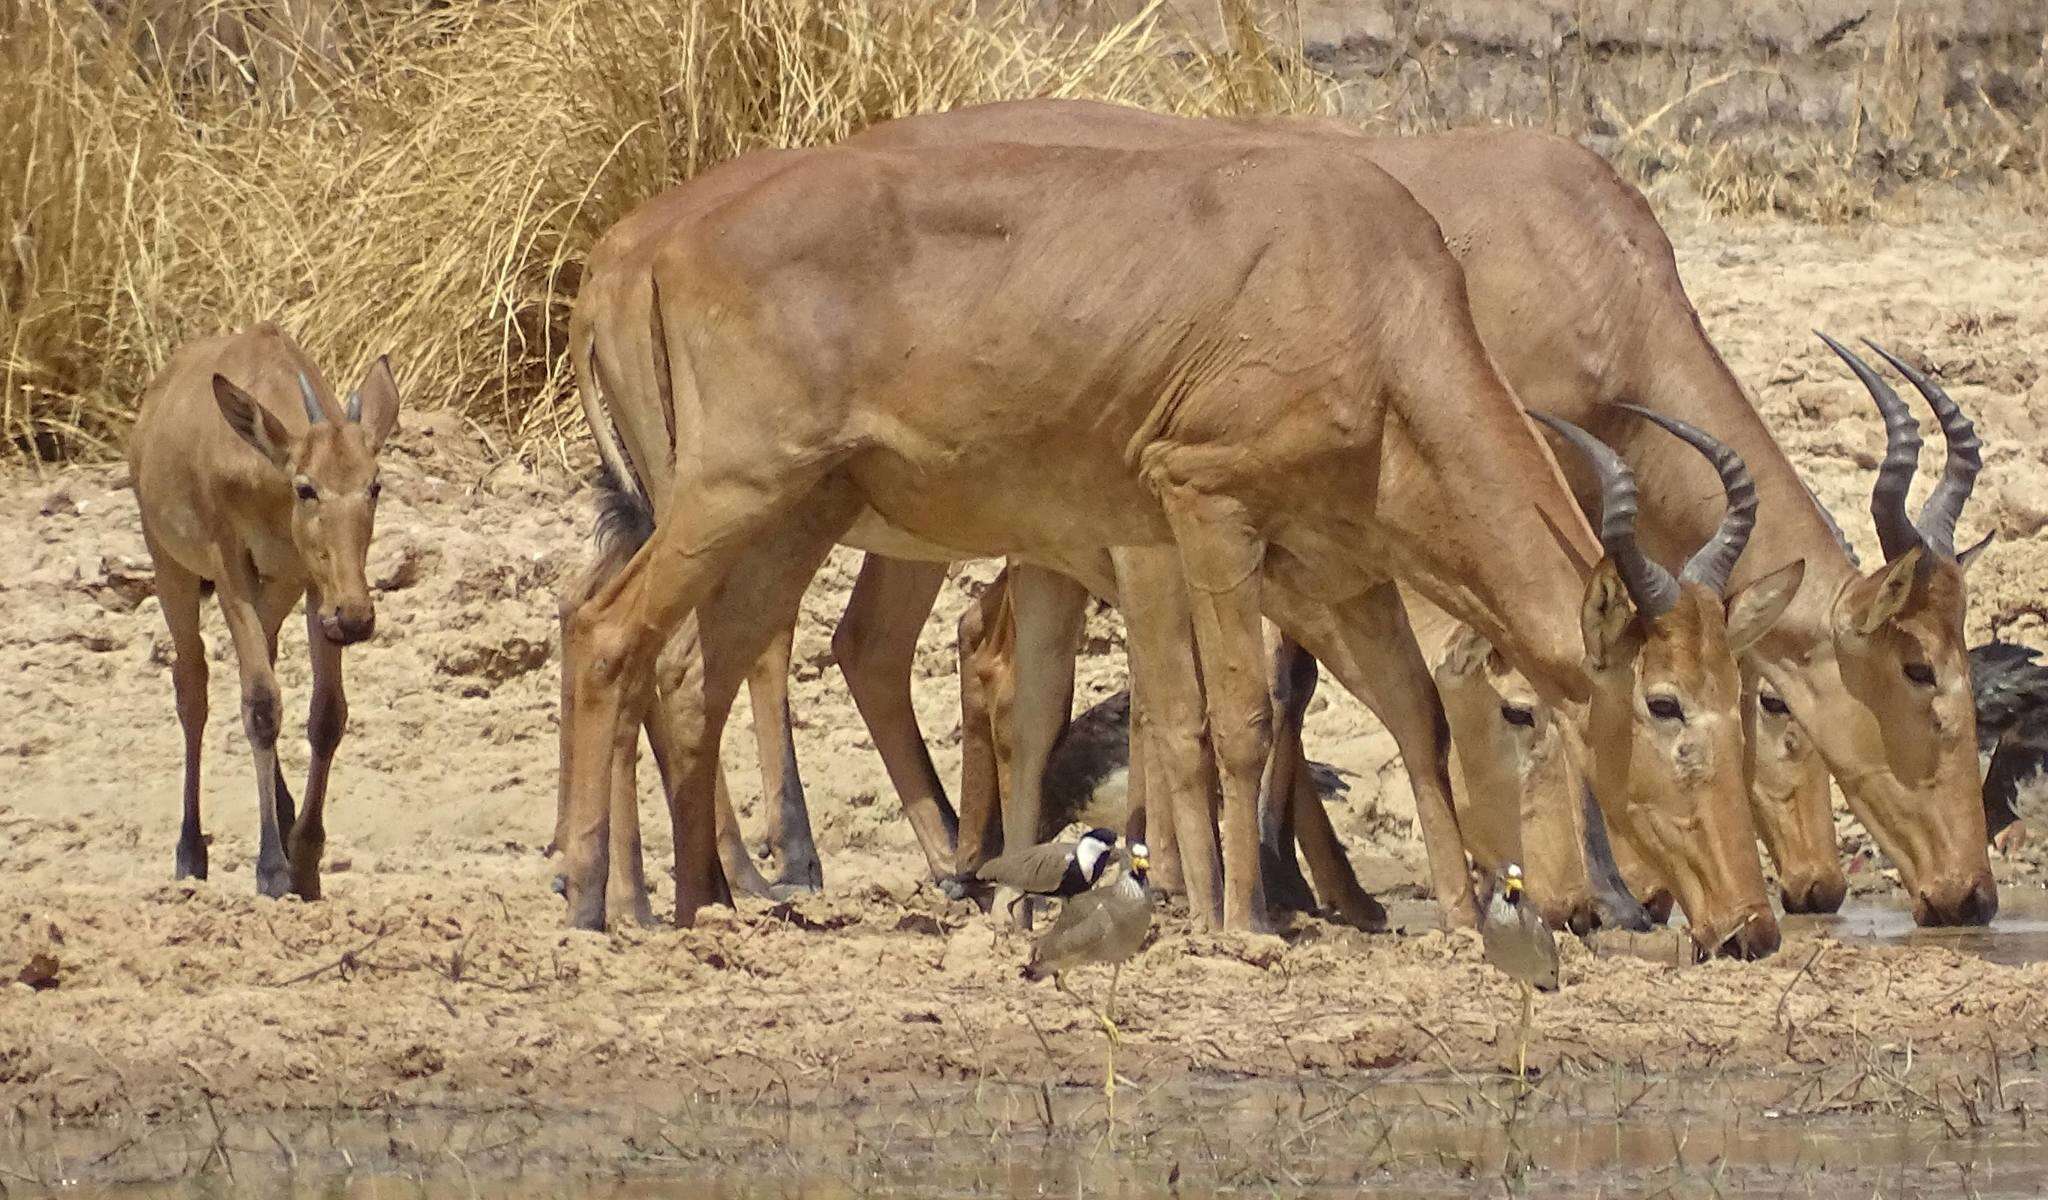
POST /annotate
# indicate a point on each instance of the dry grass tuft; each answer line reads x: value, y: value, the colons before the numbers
x: 426, y: 182
x: 424, y: 178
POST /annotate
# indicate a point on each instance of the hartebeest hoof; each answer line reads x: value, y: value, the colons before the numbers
x: 307, y: 848
x: 274, y: 880
x: 191, y: 859
x: 799, y: 877
x: 1361, y: 911
x: 1619, y: 910
x: 637, y: 910
x: 1958, y: 902
x: 1286, y: 889
x: 1823, y: 894
x: 1754, y: 938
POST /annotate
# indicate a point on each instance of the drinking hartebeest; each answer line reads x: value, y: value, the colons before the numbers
x: 1292, y: 461
x: 255, y: 484
x: 1576, y: 291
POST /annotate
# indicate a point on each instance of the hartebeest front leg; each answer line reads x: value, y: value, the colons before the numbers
x: 1047, y: 640
x: 1367, y: 644
x: 1221, y: 554
x: 984, y: 642
x: 326, y: 722
x: 242, y: 602
x: 1167, y: 720
x: 178, y: 591
x: 1293, y: 680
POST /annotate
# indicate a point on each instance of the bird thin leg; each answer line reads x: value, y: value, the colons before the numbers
x: 1108, y: 1027
x: 1522, y: 1041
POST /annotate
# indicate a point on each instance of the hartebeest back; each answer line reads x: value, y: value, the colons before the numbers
x: 255, y: 483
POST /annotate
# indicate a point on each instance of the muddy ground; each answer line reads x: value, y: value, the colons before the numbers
x: 438, y: 973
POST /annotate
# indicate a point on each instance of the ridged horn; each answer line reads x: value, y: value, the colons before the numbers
x: 314, y: 413
x: 352, y: 412
x: 1896, y: 532
x: 1938, y: 516
x: 1650, y: 586
x: 1714, y: 562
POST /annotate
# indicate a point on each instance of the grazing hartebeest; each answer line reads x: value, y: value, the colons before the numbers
x: 1579, y: 300
x: 1066, y: 415
x: 253, y: 482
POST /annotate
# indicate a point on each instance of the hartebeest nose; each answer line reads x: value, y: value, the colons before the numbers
x: 1822, y: 893
x: 347, y: 626
x: 1753, y: 938
x: 1972, y: 901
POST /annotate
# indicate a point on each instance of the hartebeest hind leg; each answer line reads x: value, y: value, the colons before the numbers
x: 782, y: 787
x: 876, y: 644
x: 326, y: 721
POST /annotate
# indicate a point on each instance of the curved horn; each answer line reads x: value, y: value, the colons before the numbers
x: 1937, y: 521
x: 1652, y: 587
x: 314, y: 413
x: 352, y: 412
x: 1896, y: 532
x: 1713, y: 562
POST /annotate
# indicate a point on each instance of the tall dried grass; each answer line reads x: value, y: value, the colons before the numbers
x: 424, y: 176
x: 435, y: 199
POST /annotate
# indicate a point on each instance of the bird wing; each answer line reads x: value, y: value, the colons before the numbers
x: 2016, y: 785
x: 1085, y: 928
x: 1036, y: 868
x: 2007, y: 682
x: 1520, y: 944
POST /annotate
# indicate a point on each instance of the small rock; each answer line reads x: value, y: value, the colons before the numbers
x: 41, y: 972
x: 59, y: 504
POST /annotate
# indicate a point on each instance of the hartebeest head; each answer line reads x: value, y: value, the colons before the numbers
x: 1897, y: 637
x: 1789, y: 797
x: 1666, y: 723
x: 331, y: 468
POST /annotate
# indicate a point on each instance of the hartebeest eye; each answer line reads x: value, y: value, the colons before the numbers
x: 376, y: 489
x: 1774, y: 706
x: 1920, y: 673
x: 1516, y: 714
x: 306, y: 490
x: 1665, y: 708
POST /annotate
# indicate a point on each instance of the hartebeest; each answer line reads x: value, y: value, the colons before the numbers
x: 1576, y: 291
x: 1052, y: 351
x: 255, y: 484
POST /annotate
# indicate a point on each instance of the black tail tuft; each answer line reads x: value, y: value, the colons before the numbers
x: 624, y: 518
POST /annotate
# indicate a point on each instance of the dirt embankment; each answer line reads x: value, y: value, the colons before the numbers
x: 438, y: 972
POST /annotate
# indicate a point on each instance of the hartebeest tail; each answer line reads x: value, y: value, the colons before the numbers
x: 254, y: 481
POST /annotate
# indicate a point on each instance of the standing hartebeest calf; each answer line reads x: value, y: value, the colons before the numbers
x: 255, y: 484
x: 1254, y: 352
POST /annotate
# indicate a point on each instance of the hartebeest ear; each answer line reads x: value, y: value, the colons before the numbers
x: 1607, y: 617
x: 1753, y: 610
x: 1876, y: 600
x: 374, y: 404
x: 1467, y: 652
x: 1969, y: 556
x: 253, y: 421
